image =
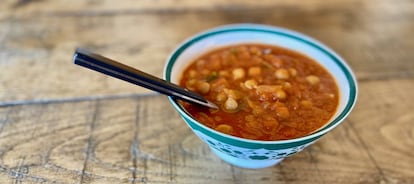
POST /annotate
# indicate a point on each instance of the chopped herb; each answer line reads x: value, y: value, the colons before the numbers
x: 267, y: 65
x: 212, y: 76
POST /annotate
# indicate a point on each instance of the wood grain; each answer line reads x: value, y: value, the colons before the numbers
x: 126, y: 141
x: 374, y: 43
x: 385, y: 127
x: 63, y: 124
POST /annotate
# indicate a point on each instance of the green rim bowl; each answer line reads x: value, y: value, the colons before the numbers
x: 256, y: 154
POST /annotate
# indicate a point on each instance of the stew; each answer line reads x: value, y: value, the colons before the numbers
x: 264, y: 92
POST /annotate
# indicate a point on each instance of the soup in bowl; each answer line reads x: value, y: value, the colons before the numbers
x: 278, y: 91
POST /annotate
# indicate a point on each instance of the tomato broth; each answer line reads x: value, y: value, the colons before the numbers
x: 263, y: 92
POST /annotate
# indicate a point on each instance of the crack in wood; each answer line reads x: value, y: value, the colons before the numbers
x: 18, y: 173
x: 170, y: 164
x: 75, y: 99
x: 370, y: 156
x: 315, y: 164
x: 281, y: 171
x: 233, y: 175
x: 4, y: 121
x: 140, y: 115
x: 143, y: 116
x: 89, y: 148
x: 135, y: 145
x: 144, y: 179
x: 76, y: 172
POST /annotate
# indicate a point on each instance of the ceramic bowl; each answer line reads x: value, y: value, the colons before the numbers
x: 256, y: 154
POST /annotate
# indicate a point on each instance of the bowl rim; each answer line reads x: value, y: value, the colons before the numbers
x: 339, y: 61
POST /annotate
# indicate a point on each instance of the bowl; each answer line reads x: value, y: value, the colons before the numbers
x: 255, y: 154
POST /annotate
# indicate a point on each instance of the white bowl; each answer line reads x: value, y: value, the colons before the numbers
x: 248, y: 153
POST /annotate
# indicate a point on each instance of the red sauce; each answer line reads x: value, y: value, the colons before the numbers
x: 264, y: 92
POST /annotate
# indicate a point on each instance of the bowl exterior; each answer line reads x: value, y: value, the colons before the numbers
x: 252, y: 153
x: 245, y: 153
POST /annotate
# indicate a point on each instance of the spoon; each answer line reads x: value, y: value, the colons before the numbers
x: 118, y: 70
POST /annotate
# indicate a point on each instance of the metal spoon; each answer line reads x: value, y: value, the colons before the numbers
x: 115, y: 69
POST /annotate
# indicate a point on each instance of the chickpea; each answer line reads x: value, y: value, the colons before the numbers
x: 221, y: 97
x: 276, y: 105
x: 280, y: 94
x: 313, y: 80
x: 282, y: 112
x: 254, y: 71
x: 277, y: 62
x: 224, y: 73
x: 192, y: 74
x: 250, y: 84
x: 270, y: 124
x: 203, y: 87
x: 231, y: 104
x: 238, y: 73
x: 267, y: 88
x: 256, y: 51
x: 287, y: 85
x: 306, y: 103
x: 257, y: 60
x: 330, y: 95
x: 282, y: 74
x: 219, y: 84
x: 190, y: 84
x: 201, y: 63
x: 293, y: 72
x: 224, y: 128
x: 231, y: 93
x: 241, y: 49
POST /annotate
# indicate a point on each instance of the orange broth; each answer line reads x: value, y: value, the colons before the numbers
x: 264, y: 92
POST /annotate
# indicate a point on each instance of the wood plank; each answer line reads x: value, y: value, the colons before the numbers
x: 30, y: 136
x: 30, y: 7
x: 383, y: 120
x: 140, y: 140
x: 41, y: 47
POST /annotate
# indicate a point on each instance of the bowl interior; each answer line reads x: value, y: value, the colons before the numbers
x: 241, y: 34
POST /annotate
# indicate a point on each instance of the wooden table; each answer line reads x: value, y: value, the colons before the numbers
x: 60, y: 123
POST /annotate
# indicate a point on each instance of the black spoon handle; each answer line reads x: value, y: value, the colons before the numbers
x: 115, y: 69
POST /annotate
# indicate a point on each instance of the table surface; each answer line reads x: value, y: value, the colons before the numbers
x: 60, y: 123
